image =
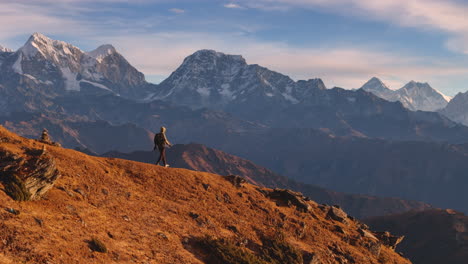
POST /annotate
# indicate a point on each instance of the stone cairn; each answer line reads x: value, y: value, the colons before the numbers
x: 45, y: 138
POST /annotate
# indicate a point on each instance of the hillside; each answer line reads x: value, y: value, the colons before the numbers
x: 147, y: 214
x: 201, y: 158
x: 432, y: 237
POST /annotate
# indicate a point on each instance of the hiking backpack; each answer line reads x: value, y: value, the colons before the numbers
x: 159, y: 139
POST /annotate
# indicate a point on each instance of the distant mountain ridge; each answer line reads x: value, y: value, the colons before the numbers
x: 414, y: 95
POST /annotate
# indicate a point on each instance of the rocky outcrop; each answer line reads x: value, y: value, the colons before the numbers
x: 27, y: 177
x: 235, y: 180
x: 337, y: 214
x: 388, y: 239
x: 289, y: 198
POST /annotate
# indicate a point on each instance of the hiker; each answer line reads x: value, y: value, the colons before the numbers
x: 160, y: 142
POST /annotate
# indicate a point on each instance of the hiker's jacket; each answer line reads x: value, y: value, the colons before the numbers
x: 160, y: 140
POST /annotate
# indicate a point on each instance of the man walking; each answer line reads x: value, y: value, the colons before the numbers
x: 160, y: 142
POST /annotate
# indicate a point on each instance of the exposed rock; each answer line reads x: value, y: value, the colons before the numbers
x: 388, y: 239
x: 13, y: 211
x: 367, y: 234
x: 375, y: 248
x: 339, y: 229
x: 194, y: 215
x: 28, y: 178
x: 236, y: 180
x: 291, y: 198
x: 337, y: 214
x: 43, y: 176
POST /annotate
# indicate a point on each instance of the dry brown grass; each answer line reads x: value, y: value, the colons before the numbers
x: 143, y: 211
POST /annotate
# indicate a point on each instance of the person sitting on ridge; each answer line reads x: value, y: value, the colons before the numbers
x: 160, y: 142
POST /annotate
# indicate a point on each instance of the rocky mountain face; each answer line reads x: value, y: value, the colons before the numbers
x: 44, y: 68
x: 456, y: 110
x: 414, y: 95
x: 201, y: 158
x: 112, y: 210
x: 4, y: 53
x: 216, y: 80
x: 377, y: 87
x: 431, y: 237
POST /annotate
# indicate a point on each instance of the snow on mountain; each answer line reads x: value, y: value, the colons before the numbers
x: 4, y: 53
x: 213, y: 79
x: 4, y: 49
x: 423, y: 97
x: 63, y: 67
x: 101, y: 52
x: 414, y: 95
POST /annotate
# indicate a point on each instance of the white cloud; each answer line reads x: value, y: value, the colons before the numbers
x: 448, y: 16
x: 233, y: 6
x: 177, y: 10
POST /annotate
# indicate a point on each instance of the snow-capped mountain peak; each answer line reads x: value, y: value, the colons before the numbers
x: 208, y: 78
x: 212, y: 58
x: 377, y: 87
x: 48, y: 48
x: 414, y: 86
x: 5, y: 49
x: 60, y: 66
x: 414, y: 95
x: 101, y: 52
x: 375, y: 84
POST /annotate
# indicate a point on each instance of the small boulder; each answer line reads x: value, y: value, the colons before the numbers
x: 236, y: 180
x: 367, y: 234
x: 375, y: 248
x: 291, y: 198
x: 337, y: 214
x: 388, y: 239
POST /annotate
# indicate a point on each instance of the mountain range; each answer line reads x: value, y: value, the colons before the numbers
x: 50, y: 76
x: 299, y: 129
x: 414, y: 95
x: 43, y: 69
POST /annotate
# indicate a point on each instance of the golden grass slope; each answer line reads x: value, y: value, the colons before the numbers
x: 149, y: 214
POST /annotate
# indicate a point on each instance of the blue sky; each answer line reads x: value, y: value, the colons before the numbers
x: 344, y: 42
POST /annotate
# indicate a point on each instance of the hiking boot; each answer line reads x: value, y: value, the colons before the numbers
x: 167, y: 165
